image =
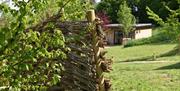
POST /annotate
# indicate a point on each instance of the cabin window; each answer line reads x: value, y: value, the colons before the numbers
x: 138, y: 31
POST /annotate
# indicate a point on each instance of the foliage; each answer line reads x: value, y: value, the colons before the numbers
x: 76, y: 10
x: 157, y: 6
x: 126, y: 18
x: 110, y: 7
x: 169, y: 31
x: 26, y: 55
x: 29, y: 58
x: 138, y: 7
x: 171, y: 25
x: 105, y: 19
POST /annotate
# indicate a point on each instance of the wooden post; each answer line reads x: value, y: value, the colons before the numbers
x: 91, y: 16
x: 96, y: 49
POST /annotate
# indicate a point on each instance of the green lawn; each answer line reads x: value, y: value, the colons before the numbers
x: 120, y: 54
x: 160, y: 75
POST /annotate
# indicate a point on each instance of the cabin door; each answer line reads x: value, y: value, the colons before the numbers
x: 118, y: 37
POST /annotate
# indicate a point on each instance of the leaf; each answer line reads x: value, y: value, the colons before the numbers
x: 56, y: 78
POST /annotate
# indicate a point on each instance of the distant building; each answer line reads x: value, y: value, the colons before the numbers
x: 114, y: 33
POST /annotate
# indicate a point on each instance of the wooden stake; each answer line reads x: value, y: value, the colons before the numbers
x: 91, y: 15
x: 95, y: 40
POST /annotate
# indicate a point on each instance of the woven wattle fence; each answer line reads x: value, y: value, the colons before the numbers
x: 83, y: 69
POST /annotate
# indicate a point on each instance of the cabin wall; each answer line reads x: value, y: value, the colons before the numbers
x: 110, y: 37
x: 144, y: 33
x: 140, y: 32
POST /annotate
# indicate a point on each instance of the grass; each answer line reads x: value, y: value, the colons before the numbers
x: 144, y: 76
x: 120, y: 54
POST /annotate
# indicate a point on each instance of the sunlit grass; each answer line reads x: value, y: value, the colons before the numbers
x: 120, y: 54
x: 144, y: 76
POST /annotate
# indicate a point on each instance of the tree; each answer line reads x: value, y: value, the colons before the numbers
x: 171, y: 26
x: 110, y: 7
x: 126, y: 18
x: 28, y: 57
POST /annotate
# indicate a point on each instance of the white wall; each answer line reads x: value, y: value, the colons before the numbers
x: 144, y: 33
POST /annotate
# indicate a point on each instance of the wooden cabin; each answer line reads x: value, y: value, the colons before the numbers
x: 114, y: 33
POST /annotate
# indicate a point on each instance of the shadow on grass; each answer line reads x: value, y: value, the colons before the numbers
x: 173, y: 52
x: 173, y: 66
x: 158, y: 43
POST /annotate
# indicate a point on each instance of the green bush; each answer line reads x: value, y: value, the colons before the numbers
x: 159, y: 36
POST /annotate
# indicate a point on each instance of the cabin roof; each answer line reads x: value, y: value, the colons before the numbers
x: 137, y: 25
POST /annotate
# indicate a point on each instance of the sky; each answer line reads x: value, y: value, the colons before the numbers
x: 9, y: 2
x: 98, y: 0
x: 4, y: 0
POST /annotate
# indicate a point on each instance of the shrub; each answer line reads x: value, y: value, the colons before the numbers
x: 159, y: 36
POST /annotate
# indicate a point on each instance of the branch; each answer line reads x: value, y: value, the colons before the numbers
x: 39, y: 26
x: 53, y: 18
